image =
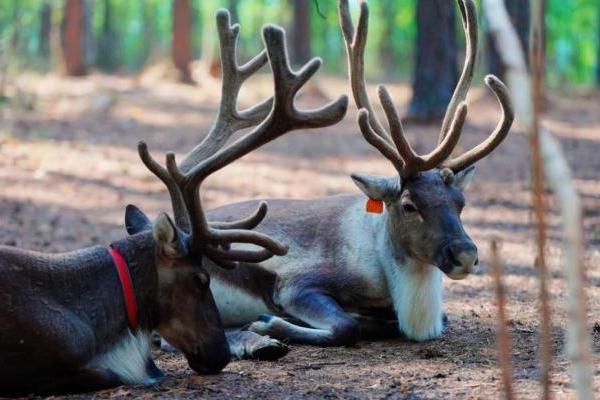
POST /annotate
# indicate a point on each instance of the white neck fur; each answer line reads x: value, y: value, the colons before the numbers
x: 416, y: 290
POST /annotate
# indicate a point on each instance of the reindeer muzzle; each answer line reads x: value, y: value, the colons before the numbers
x: 212, y: 361
x: 458, y: 259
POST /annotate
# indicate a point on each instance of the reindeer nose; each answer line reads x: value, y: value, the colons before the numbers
x: 463, y: 256
x: 212, y: 361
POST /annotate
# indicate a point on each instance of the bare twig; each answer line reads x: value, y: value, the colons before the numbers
x: 504, y: 339
x: 552, y: 164
x: 539, y: 200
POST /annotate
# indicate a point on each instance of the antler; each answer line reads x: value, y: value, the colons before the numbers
x: 393, y: 144
x: 488, y: 145
x: 229, y: 118
x: 214, y: 239
x: 468, y: 13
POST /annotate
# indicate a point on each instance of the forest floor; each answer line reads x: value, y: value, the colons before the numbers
x: 69, y: 165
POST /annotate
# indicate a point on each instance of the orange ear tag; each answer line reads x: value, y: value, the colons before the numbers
x: 374, y: 206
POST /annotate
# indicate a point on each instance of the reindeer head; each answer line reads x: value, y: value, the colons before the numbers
x: 187, y: 314
x: 425, y: 200
x: 189, y: 318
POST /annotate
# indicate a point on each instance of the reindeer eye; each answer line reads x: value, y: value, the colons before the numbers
x: 409, y: 208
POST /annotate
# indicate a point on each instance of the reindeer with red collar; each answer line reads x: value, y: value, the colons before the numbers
x: 351, y: 274
x: 81, y: 321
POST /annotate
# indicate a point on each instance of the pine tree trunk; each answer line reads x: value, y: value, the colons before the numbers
x: 108, y: 47
x: 300, y: 32
x: 436, y: 72
x: 45, y: 30
x: 73, y: 38
x: 89, y: 43
x: 519, y: 12
x: 181, y: 45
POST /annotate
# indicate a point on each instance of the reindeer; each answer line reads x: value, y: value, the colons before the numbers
x: 350, y: 273
x: 70, y: 322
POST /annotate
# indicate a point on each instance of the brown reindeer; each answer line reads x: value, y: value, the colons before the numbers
x: 350, y: 273
x: 81, y: 321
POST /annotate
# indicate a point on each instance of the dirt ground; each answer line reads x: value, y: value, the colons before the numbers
x: 69, y: 165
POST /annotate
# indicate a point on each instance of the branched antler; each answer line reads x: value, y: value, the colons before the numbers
x: 468, y: 13
x: 393, y: 144
x: 491, y: 142
x: 210, y: 240
x: 229, y: 118
x: 183, y: 181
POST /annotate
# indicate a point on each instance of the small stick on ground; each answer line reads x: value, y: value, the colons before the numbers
x: 504, y: 339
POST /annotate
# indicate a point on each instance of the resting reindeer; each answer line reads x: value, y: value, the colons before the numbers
x: 351, y: 274
x: 70, y: 322
x: 81, y: 321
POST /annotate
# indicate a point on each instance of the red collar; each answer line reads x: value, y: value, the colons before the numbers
x: 127, y: 286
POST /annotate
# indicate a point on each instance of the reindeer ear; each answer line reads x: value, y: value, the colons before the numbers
x: 463, y: 179
x: 167, y: 237
x: 378, y: 187
x: 135, y: 220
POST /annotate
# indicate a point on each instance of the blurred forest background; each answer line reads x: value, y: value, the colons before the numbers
x: 128, y: 36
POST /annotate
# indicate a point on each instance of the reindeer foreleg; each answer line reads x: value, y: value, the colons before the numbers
x: 328, y: 324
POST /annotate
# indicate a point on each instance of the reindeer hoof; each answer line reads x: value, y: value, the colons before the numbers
x: 268, y: 349
x: 247, y: 345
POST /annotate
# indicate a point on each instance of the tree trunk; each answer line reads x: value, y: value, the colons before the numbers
x: 181, y: 45
x: 519, y: 12
x: 300, y: 34
x: 89, y: 43
x: 108, y: 47
x: 436, y: 72
x: 73, y: 38
x: 45, y: 30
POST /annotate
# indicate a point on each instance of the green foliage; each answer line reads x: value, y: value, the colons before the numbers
x: 19, y: 33
x: 138, y: 33
x: 572, y: 40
